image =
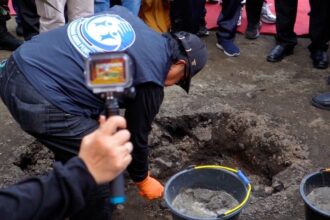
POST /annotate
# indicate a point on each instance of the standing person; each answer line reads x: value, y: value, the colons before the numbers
x: 319, y: 32
x: 256, y: 11
x: 63, y: 191
x: 286, y: 38
x: 227, y: 25
x: 320, y: 35
x: 188, y: 15
x: 7, y: 40
x: 253, y: 14
x: 29, y: 18
x: 52, y: 13
x: 54, y: 104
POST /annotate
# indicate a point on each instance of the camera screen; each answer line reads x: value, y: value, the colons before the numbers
x: 108, y: 72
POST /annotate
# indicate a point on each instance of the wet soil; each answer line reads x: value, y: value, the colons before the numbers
x: 320, y: 198
x: 241, y: 112
x: 203, y: 203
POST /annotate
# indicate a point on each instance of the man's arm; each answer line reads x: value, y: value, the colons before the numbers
x: 140, y: 114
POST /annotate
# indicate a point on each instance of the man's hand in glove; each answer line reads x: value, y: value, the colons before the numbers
x: 150, y: 188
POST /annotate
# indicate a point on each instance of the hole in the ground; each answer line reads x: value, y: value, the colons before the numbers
x: 241, y: 140
x: 34, y: 159
x: 24, y: 162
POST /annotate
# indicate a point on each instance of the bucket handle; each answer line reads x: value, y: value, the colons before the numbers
x: 241, y: 175
x: 324, y: 170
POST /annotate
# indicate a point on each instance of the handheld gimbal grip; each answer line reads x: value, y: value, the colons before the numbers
x: 117, y: 185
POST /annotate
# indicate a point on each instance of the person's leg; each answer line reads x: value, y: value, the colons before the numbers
x: 51, y: 14
x: 286, y: 38
x: 286, y: 12
x: 101, y: 5
x: 30, y: 18
x: 132, y: 5
x: 318, y: 30
x: 176, y: 15
x: 227, y: 25
x: 200, y: 11
x: 253, y: 10
x: 7, y: 41
x: 78, y: 10
x: 115, y: 2
x: 18, y: 19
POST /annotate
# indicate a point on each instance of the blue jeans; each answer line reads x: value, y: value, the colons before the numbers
x: 101, y: 5
x: 132, y: 5
x: 227, y: 20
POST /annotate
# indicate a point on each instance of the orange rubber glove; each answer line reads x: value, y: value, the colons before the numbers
x: 150, y: 188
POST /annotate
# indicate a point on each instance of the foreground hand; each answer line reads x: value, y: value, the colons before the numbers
x: 150, y: 188
x: 106, y: 151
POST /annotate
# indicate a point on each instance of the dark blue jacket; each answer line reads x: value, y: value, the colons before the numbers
x: 54, y: 63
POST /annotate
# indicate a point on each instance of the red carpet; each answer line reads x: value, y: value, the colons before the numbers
x: 12, y: 11
x: 301, y: 27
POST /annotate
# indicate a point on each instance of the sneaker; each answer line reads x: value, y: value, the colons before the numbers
x: 203, y: 31
x: 252, y: 32
x: 229, y: 48
x: 266, y: 14
x: 9, y: 42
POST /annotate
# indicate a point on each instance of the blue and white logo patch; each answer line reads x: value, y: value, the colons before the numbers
x: 104, y: 32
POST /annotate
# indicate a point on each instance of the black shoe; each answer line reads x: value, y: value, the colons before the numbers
x: 19, y: 30
x: 203, y: 31
x: 252, y: 32
x: 322, y: 101
x: 9, y: 42
x: 320, y: 59
x: 279, y: 52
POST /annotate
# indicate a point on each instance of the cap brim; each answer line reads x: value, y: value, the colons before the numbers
x: 186, y: 83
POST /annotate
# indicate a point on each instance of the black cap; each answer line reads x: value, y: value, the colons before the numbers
x: 196, y: 52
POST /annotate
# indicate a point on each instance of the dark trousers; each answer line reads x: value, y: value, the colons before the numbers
x: 253, y: 10
x: 319, y: 26
x: 286, y: 13
x: 30, y: 18
x: 59, y: 131
x: 4, y: 12
x: 187, y: 15
x: 227, y: 20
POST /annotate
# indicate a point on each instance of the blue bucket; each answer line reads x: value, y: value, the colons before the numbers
x: 209, y: 177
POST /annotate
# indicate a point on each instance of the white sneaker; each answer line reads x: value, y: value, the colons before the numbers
x: 266, y: 14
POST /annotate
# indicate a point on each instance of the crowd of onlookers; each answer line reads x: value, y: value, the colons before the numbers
x: 35, y: 16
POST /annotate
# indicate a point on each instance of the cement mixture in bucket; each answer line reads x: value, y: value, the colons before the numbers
x: 320, y: 198
x: 203, y: 203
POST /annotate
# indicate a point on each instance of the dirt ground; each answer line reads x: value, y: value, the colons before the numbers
x: 241, y: 112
